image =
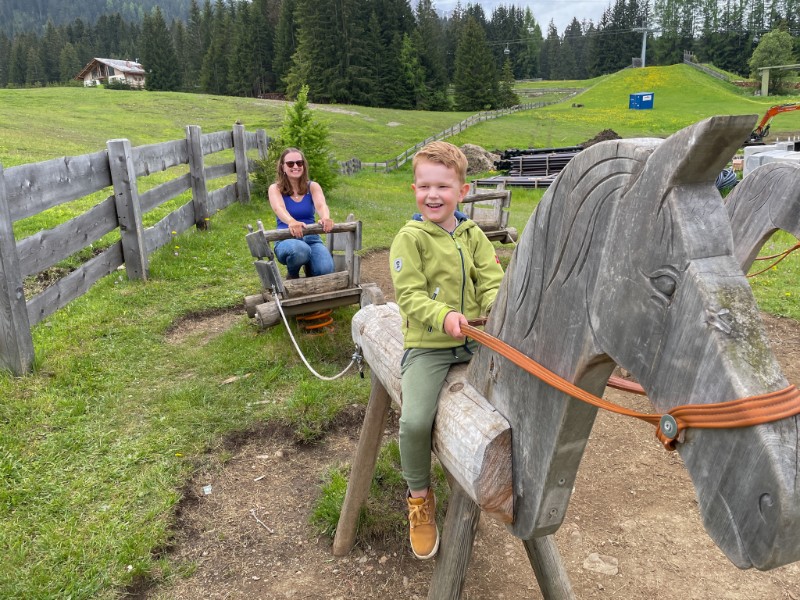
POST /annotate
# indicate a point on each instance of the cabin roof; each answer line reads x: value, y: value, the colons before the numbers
x: 123, y: 66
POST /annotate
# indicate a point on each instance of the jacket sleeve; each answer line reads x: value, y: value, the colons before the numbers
x: 411, y: 287
x: 490, y: 273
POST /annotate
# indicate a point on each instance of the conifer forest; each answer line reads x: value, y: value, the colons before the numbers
x: 387, y: 53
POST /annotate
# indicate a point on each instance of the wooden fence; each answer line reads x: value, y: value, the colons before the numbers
x: 688, y: 59
x: 28, y: 190
x: 399, y: 161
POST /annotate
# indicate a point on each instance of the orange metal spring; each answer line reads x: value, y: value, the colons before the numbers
x: 314, y: 322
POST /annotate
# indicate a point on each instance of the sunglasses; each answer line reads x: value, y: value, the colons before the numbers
x: 291, y: 163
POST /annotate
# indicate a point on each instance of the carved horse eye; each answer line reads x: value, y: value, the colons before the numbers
x: 665, y: 283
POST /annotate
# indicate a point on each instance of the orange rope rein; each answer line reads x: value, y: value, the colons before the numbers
x: 744, y: 412
x: 780, y: 256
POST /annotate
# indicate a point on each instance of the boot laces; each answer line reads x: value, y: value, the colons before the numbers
x: 420, y: 514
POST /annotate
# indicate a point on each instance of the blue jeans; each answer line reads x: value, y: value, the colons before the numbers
x: 308, y: 252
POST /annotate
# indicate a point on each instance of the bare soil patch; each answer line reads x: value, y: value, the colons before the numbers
x: 633, y: 506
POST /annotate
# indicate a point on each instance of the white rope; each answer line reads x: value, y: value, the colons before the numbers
x: 356, y: 355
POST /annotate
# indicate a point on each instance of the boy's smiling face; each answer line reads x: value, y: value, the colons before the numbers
x: 438, y: 191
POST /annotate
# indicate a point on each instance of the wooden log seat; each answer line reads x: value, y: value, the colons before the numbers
x: 470, y: 438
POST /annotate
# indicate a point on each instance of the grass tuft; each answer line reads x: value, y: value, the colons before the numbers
x: 384, y: 518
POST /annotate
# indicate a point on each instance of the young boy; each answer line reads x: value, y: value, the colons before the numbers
x: 444, y: 271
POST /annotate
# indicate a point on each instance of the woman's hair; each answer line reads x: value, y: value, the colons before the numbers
x: 284, y: 185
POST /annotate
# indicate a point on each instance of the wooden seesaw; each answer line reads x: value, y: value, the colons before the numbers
x: 308, y: 294
x: 628, y: 261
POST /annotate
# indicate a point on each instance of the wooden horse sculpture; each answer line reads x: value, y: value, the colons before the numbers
x: 628, y: 261
x: 765, y: 201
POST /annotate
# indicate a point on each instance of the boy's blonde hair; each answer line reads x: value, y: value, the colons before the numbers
x: 445, y: 154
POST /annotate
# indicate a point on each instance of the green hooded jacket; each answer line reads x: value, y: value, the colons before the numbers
x: 434, y: 273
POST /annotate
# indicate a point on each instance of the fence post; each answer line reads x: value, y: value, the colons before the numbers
x: 16, y: 343
x: 240, y: 160
x: 197, y: 174
x: 129, y: 209
x: 263, y: 143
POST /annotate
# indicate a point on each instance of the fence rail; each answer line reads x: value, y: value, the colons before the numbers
x: 28, y: 190
x: 688, y: 59
x: 354, y: 165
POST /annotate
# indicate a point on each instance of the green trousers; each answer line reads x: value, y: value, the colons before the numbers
x: 423, y: 372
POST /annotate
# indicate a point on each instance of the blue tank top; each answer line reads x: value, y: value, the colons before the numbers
x: 302, y: 211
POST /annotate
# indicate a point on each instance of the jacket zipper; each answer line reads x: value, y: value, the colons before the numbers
x: 463, y: 274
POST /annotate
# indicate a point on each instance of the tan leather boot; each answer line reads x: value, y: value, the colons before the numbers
x: 423, y: 533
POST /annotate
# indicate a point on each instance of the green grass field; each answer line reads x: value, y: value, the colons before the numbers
x: 97, y: 443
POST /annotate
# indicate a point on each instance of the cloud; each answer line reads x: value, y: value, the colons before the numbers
x: 561, y: 12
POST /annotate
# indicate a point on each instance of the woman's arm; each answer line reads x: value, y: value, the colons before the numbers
x: 321, y: 207
x: 280, y: 210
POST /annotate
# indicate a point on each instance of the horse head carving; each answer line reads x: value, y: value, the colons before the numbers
x: 628, y: 260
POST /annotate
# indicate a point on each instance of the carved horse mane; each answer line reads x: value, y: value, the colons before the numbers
x: 628, y: 260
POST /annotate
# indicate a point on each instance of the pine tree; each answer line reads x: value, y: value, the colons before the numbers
x: 529, y: 59
x: 430, y: 40
x: 5, y: 58
x: 68, y: 63
x: 300, y: 130
x: 193, y: 50
x: 52, y: 42
x: 18, y: 60
x: 34, y: 69
x: 241, y: 70
x: 476, y: 85
x: 413, y: 75
x: 158, y: 54
x: 214, y: 75
x: 262, y: 34
x: 285, y: 43
x: 571, y: 66
x: 507, y: 97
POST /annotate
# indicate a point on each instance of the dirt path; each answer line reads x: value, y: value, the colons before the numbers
x: 632, y: 530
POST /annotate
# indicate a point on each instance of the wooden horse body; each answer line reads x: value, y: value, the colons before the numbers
x: 628, y: 260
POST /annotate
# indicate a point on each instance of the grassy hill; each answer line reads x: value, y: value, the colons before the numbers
x: 39, y: 124
x: 97, y: 444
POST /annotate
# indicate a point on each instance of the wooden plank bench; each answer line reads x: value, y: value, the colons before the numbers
x: 489, y: 209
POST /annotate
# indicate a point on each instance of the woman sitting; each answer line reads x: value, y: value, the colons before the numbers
x: 294, y: 200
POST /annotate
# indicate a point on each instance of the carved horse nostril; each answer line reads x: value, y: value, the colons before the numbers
x: 765, y: 503
x: 722, y: 320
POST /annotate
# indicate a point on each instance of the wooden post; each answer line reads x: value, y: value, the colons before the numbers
x: 550, y: 573
x: 764, y: 83
x: 455, y: 551
x: 16, y: 343
x: 240, y: 160
x: 129, y: 210
x: 197, y: 174
x: 369, y: 444
x: 263, y: 143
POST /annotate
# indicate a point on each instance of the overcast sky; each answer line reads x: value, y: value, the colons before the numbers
x: 559, y: 11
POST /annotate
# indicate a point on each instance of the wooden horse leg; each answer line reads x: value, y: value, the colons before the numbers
x: 550, y: 573
x: 369, y: 443
x: 455, y: 550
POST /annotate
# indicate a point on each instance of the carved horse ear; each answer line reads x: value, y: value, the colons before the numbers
x: 698, y: 153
